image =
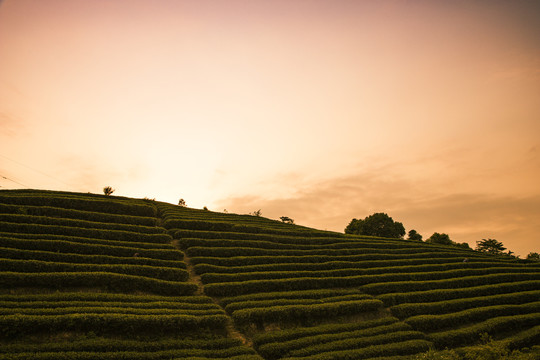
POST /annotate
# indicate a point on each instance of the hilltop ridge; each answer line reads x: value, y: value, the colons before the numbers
x: 86, y: 276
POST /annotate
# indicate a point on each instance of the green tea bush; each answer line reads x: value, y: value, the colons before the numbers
x: 17, y: 254
x: 303, y: 312
x: 108, y: 205
x: 84, y: 232
x: 77, y: 214
x: 32, y: 266
x: 46, y: 220
x: 436, y: 295
x: 276, y: 350
x: 441, y: 307
x: 110, y: 281
x: 76, y: 249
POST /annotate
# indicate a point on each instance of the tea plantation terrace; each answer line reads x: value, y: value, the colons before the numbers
x: 102, y: 277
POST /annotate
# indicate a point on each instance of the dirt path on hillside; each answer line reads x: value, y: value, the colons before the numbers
x: 196, y: 279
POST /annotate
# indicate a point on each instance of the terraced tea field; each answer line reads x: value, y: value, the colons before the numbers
x: 93, y: 277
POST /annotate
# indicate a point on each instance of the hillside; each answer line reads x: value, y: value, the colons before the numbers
x: 87, y: 276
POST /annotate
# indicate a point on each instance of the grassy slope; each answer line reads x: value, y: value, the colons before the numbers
x: 92, y: 273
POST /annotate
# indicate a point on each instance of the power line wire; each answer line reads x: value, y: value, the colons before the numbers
x: 35, y: 170
x: 16, y: 182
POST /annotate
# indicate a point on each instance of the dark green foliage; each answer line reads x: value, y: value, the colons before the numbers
x: 385, y: 349
x: 442, y: 239
x: 36, y: 266
x: 378, y: 224
x: 534, y: 256
x: 18, y: 254
x: 77, y: 214
x: 471, y: 334
x: 437, y: 322
x: 413, y: 235
x: 490, y: 246
x: 278, y: 349
x: 84, y: 232
x: 112, y: 206
x: 46, y: 220
x: 18, y: 325
x: 464, y: 281
x: 109, y: 281
x: 442, y: 307
x: 78, y: 250
x: 458, y: 293
x: 285, y: 313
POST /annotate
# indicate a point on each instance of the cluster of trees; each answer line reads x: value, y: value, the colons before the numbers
x: 382, y: 225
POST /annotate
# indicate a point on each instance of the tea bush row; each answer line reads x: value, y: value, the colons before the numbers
x: 424, y: 272
x: 248, y: 251
x: 303, y: 312
x: 186, y: 354
x: 88, y: 258
x: 395, y: 348
x: 203, y: 234
x: 265, y: 244
x: 35, y: 266
x: 358, y: 343
x: 434, y: 322
x: 259, y: 260
x: 19, y: 304
x: 109, y: 281
x: 109, y: 205
x: 442, y: 307
x: 376, y: 283
x: 77, y: 214
x: 85, y: 240
x: 331, y: 265
x: 84, y: 232
x: 276, y: 350
x: 98, y: 298
x: 290, y: 295
x: 46, y: 220
x: 108, y: 310
x: 18, y: 325
x: 108, y: 344
x: 283, y: 336
x: 280, y: 302
x: 495, y: 288
x: 471, y: 334
x: 466, y: 281
x: 235, y: 227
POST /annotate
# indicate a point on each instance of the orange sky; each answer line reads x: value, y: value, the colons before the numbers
x: 318, y: 110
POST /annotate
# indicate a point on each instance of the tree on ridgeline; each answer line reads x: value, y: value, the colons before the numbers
x: 287, y: 220
x: 490, y: 246
x: 182, y: 203
x: 413, y: 235
x: 107, y: 190
x: 442, y: 239
x: 534, y: 256
x: 378, y: 224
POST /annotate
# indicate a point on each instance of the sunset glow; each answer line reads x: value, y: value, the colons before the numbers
x: 322, y: 111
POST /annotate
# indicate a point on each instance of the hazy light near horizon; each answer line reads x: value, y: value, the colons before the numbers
x: 318, y: 110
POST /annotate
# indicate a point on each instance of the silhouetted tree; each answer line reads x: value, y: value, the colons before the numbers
x: 182, y: 203
x: 107, y: 190
x: 413, y: 235
x: 287, y: 220
x: 378, y: 224
x: 256, y: 213
x: 205, y: 208
x: 442, y: 239
x: 533, y: 256
x: 490, y: 246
